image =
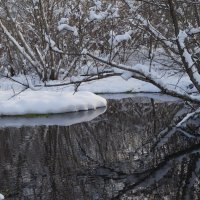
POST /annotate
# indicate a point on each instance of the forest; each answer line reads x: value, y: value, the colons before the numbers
x: 100, y: 99
x: 62, y: 39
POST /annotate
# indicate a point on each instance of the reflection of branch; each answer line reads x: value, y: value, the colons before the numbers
x: 188, y: 116
x: 169, y: 132
x: 159, y: 168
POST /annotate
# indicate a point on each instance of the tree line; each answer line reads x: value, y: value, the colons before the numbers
x: 53, y: 37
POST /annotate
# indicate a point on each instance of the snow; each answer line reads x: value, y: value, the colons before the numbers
x: 35, y: 1
x: 1, y: 196
x: 116, y: 39
x: 114, y: 84
x: 52, y: 44
x: 194, y: 30
x: 154, y: 31
x: 63, y: 21
x: 45, y: 102
x: 117, y: 85
x: 142, y: 71
x: 67, y: 27
x: 54, y: 99
x: 98, y: 4
x: 95, y: 14
x: 51, y: 100
x: 188, y: 57
x: 100, y: 16
x: 21, y: 49
x: 145, y: 96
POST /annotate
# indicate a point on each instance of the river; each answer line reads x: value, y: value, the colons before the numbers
x: 133, y: 150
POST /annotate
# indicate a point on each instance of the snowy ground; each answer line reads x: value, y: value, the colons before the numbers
x: 1, y: 196
x: 112, y: 85
x: 42, y: 102
x: 62, y: 99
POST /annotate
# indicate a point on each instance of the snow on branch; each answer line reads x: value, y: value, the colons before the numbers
x: 63, y: 25
x: 182, y: 36
x: 141, y: 72
x: 193, y: 31
x: 181, y: 39
x: 154, y: 31
x: 129, y: 3
x: 99, y: 16
x: 52, y: 44
x: 25, y: 43
x: 110, y: 12
x: 21, y: 49
x: 116, y: 39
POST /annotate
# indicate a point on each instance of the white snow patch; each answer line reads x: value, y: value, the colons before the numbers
x: 100, y: 16
x: 52, y: 44
x: 116, y: 39
x: 1, y: 196
x: 116, y: 84
x: 44, y: 102
x: 67, y: 27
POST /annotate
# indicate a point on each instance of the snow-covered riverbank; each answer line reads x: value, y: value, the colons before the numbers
x: 1, y: 196
x: 45, y: 102
x: 115, y: 84
x: 63, y: 99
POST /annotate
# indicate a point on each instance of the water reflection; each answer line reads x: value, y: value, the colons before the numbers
x: 132, y: 151
x: 65, y: 119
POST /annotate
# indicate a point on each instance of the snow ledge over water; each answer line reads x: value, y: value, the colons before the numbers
x: 48, y: 102
x: 1, y: 196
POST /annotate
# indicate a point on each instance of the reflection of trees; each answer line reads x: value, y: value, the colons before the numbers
x: 183, y: 166
x: 171, y: 169
x: 134, y: 149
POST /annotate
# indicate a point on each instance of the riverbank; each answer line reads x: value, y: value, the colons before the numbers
x: 111, y: 85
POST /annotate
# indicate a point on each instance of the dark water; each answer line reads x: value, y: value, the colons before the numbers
x: 132, y: 151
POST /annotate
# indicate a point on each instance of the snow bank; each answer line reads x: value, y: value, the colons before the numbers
x: 45, y: 102
x: 116, y: 84
x: 1, y: 196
